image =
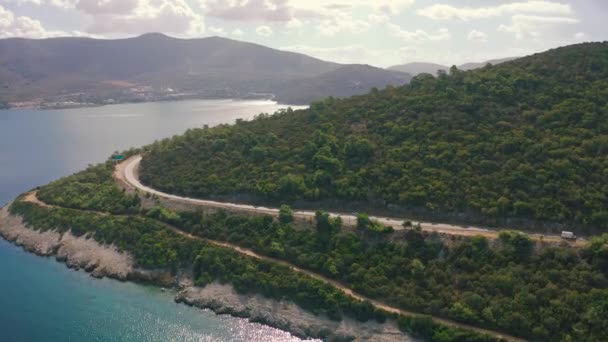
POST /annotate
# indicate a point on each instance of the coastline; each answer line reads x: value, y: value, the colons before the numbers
x: 52, y: 106
x: 107, y: 261
x: 76, y: 252
x: 287, y: 316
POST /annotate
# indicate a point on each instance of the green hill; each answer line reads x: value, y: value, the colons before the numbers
x: 523, y: 143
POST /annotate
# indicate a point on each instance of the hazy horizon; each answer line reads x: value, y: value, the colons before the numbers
x: 380, y: 33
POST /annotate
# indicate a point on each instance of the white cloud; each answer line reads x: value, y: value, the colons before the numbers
x: 140, y: 16
x: 580, y: 36
x: 132, y: 16
x: 419, y: 35
x: 288, y: 10
x: 294, y: 23
x: 329, y: 17
x: 237, y: 32
x: 95, y: 7
x: 218, y: 31
x: 523, y: 26
x: 341, y: 22
x: 378, y: 18
x: 22, y: 26
x: 263, y: 31
x: 390, y: 7
x: 66, y: 4
x: 62, y: 3
x: 477, y: 36
x: 244, y: 10
x: 445, y: 12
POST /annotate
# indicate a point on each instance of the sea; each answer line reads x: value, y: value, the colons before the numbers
x: 40, y: 298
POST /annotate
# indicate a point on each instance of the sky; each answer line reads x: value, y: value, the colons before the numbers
x: 376, y: 32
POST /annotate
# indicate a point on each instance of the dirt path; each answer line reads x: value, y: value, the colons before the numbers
x: 32, y: 198
x: 127, y: 173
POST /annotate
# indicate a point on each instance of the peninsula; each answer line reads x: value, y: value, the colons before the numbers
x: 317, y: 221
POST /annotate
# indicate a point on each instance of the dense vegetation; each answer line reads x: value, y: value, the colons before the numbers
x: 524, y: 140
x: 153, y: 246
x: 541, y: 293
x: 552, y: 294
x: 91, y: 189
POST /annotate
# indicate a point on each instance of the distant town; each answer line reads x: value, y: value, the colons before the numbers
x: 135, y: 94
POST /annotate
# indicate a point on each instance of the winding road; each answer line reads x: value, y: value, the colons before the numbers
x: 127, y: 172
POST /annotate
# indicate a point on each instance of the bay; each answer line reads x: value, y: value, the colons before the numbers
x: 41, y: 299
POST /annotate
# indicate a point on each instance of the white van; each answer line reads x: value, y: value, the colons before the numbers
x: 568, y: 235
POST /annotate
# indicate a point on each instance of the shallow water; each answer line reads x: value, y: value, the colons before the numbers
x: 41, y: 299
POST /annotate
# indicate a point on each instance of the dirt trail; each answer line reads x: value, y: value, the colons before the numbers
x: 32, y: 198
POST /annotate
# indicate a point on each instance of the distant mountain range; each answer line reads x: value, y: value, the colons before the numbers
x: 155, y: 66
x: 342, y: 82
x: 416, y: 68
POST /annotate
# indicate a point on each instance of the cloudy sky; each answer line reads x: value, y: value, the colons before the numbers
x: 378, y: 32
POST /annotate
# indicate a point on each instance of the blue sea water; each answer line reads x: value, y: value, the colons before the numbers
x: 41, y: 299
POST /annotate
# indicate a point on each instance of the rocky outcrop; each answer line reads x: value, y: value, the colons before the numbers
x: 285, y: 315
x: 13, y: 229
x: 77, y: 252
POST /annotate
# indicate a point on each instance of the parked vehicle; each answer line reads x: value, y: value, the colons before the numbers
x: 568, y: 235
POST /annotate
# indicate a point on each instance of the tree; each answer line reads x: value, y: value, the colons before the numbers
x: 363, y: 221
x: 365, y: 224
x: 285, y: 214
x: 291, y: 186
x: 326, y: 228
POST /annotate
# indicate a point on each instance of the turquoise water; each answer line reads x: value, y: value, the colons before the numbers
x: 41, y: 299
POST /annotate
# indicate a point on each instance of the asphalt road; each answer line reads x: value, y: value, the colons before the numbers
x: 127, y: 171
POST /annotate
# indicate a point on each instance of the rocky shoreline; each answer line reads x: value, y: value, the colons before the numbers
x: 76, y: 252
x: 107, y: 261
x: 287, y: 316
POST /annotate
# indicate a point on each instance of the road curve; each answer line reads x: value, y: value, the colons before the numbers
x: 33, y: 198
x: 127, y: 171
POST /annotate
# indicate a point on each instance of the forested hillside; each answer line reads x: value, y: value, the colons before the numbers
x: 540, y: 292
x: 525, y: 140
x: 535, y: 291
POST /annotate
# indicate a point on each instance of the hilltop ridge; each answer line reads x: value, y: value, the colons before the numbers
x: 416, y: 68
x: 154, y: 65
